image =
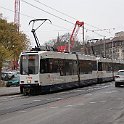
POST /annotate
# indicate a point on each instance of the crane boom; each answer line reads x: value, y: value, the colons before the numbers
x: 75, y: 32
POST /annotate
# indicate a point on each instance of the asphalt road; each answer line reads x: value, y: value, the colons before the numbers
x: 99, y: 104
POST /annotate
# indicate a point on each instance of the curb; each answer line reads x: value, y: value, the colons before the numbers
x: 9, y: 94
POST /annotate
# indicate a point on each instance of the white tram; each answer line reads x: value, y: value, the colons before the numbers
x: 46, y: 71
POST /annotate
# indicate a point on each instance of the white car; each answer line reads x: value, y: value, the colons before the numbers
x: 119, y: 78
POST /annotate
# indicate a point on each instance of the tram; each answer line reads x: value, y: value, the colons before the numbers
x: 48, y: 71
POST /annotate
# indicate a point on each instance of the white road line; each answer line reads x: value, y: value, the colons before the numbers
x: 92, y: 102
x: 22, y: 111
x: 114, y: 91
x: 37, y: 100
x: 54, y: 107
x: 69, y: 105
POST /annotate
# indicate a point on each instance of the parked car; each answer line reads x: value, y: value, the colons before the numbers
x: 14, y: 81
x: 119, y: 78
x: 7, y: 75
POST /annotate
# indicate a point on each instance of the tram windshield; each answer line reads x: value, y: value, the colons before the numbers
x: 29, y: 64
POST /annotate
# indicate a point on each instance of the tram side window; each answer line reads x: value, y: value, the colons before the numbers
x: 53, y: 66
x: 109, y: 67
x: 104, y: 66
x: 44, y: 68
x: 62, y: 68
x: 75, y: 67
x: 116, y: 67
x: 86, y: 67
x: 121, y: 66
x: 70, y: 67
x: 94, y: 65
x: 67, y: 67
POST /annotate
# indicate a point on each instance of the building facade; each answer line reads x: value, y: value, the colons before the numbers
x: 108, y: 48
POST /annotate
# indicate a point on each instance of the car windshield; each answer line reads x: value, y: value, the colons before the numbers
x: 121, y: 73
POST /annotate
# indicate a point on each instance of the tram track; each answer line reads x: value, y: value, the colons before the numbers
x: 28, y: 102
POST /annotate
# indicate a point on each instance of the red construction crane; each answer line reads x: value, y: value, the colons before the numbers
x: 77, y: 26
x: 17, y: 14
x: 67, y: 48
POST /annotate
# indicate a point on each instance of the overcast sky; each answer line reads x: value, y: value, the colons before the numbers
x: 106, y: 15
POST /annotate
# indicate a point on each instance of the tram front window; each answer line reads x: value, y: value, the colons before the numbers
x: 29, y: 64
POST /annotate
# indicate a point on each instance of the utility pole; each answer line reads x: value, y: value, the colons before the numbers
x: 112, y: 50
x: 104, y: 47
x: 83, y: 38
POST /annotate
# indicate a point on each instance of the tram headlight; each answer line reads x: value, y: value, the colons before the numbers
x: 28, y: 81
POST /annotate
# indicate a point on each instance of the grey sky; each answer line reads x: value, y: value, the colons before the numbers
x: 103, y: 14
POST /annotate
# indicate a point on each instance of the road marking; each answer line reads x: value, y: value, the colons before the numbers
x: 74, y: 105
x: 53, y: 107
x: 92, y: 102
x: 37, y: 100
x: 22, y: 111
x: 58, y: 98
x: 68, y: 105
x: 114, y: 91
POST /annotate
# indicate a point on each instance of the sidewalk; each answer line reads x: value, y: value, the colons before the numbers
x: 6, y: 91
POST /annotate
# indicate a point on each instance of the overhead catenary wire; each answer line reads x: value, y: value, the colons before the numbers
x: 34, y: 18
x: 13, y: 12
x: 46, y: 12
x: 54, y: 16
x: 55, y: 9
x: 98, y: 29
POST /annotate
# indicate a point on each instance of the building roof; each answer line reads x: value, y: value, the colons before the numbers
x: 121, y: 38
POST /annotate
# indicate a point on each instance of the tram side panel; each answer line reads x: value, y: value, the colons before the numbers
x: 61, y: 73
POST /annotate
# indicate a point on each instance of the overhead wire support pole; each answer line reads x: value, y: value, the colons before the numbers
x: 34, y: 30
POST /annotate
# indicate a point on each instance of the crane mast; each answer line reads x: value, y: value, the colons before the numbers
x: 17, y: 14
